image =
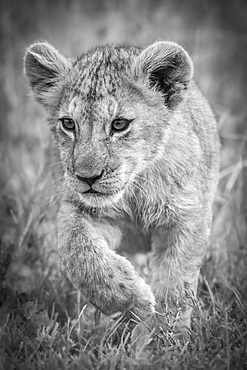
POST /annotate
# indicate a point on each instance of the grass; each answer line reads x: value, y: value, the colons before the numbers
x: 33, y: 336
x: 44, y: 323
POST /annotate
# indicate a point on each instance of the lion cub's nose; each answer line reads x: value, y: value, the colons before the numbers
x: 89, y: 180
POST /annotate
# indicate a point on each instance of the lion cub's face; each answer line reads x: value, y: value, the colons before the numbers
x: 109, y: 111
x: 105, y: 143
x: 105, y: 128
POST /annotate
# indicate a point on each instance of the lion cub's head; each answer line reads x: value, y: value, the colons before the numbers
x: 110, y: 111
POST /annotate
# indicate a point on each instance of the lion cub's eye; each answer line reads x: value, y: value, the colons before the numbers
x: 121, y: 124
x: 68, y: 124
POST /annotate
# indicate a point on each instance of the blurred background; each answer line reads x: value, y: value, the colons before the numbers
x: 215, y: 35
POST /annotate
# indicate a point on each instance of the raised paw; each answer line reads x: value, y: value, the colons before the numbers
x: 120, y: 288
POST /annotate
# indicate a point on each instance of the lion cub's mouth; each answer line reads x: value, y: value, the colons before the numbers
x: 91, y: 191
x: 94, y: 192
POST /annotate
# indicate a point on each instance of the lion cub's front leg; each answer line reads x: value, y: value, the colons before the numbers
x: 108, y: 280
x: 176, y: 260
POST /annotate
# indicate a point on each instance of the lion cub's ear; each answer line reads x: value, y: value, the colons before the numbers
x: 168, y: 68
x: 44, y: 66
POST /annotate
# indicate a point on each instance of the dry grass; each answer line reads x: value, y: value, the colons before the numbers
x: 43, y: 323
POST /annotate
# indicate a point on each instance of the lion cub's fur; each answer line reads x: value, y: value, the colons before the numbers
x: 139, y: 146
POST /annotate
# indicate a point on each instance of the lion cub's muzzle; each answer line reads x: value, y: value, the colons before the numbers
x: 87, y: 183
x: 89, y: 180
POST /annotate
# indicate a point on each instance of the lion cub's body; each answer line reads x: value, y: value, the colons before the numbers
x: 139, y: 145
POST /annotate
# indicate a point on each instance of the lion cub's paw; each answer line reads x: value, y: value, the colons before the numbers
x: 143, y: 299
x: 124, y: 290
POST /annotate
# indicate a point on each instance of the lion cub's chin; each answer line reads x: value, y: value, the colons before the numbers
x: 101, y: 200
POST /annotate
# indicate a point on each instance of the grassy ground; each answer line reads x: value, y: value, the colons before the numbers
x: 44, y: 324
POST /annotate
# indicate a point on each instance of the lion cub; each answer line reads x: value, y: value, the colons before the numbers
x: 139, y: 145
